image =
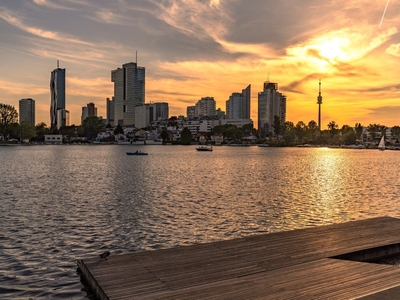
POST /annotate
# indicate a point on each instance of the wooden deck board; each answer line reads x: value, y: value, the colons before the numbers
x: 282, y: 265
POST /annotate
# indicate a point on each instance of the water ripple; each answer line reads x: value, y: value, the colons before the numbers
x: 61, y: 203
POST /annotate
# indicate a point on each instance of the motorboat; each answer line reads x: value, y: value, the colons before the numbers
x: 204, y: 148
x: 136, y: 153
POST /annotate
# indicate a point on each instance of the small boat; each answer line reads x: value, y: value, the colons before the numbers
x: 136, y: 153
x: 381, y: 145
x: 263, y: 145
x: 204, y: 148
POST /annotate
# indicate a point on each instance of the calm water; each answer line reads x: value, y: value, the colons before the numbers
x: 63, y: 203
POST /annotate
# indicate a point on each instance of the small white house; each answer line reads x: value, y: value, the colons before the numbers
x: 103, y: 135
x: 53, y: 139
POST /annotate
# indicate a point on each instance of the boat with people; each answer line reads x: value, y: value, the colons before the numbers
x: 136, y: 153
x: 204, y: 148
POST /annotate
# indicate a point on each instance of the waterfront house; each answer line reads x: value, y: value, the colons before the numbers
x: 53, y: 139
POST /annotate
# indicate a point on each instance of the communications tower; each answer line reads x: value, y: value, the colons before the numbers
x: 319, y: 102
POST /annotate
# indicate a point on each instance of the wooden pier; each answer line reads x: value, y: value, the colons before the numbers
x: 296, y: 264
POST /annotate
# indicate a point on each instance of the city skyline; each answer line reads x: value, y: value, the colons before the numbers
x: 193, y: 49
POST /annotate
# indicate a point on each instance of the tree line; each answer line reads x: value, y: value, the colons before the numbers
x: 285, y: 134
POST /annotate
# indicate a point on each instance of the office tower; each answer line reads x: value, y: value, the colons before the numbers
x: 161, y: 111
x: 129, y: 91
x: 191, y: 112
x: 206, y: 106
x: 110, y: 111
x: 238, y: 105
x: 27, y: 111
x: 57, y: 94
x: 89, y: 110
x: 149, y: 112
x: 271, y: 103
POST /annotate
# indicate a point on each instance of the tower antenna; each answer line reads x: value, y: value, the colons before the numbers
x: 319, y: 102
x: 58, y: 64
x: 136, y: 56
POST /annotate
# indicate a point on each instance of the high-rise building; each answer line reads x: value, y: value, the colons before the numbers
x: 238, y: 105
x: 57, y: 94
x: 271, y: 103
x: 191, y: 112
x: 62, y: 118
x: 149, y: 112
x: 129, y: 91
x: 27, y: 111
x: 110, y: 111
x: 206, y: 106
x: 90, y: 110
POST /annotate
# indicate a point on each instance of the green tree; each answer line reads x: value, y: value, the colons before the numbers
x: 312, y: 129
x: 41, y: 130
x: 165, y: 136
x: 395, y: 132
x: 333, y: 127
x: 186, y: 136
x: 359, y: 130
x: 118, y: 129
x: 277, y: 127
x: 232, y: 133
x: 373, y: 129
x: 300, y: 130
x: 349, y: 137
x: 8, y: 116
x: 248, y: 129
x: 24, y: 131
x: 92, y: 126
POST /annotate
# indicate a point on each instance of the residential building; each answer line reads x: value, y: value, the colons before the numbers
x: 191, y: 112
x: 206, y: 106
x: 237, y: 122
x: 129, y: 92
x: 271, y: 103
x: 27, y: 111
x: 238, y: 105
x: 147, y: 113
x: 57, y: 94
x: 90, y: 110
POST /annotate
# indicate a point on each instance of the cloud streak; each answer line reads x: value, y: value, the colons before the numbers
x: 196, y: 48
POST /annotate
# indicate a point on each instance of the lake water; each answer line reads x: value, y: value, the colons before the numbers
x: 63, y: 203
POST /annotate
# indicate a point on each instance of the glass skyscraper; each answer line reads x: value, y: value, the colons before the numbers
x: 57, y: 94
x: 129, y: 91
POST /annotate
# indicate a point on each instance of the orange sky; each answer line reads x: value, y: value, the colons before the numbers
x: 192, y: 49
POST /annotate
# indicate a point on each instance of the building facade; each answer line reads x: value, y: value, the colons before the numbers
x: 206, y: 106
x: 27, y: 111
x: 129, y: 92
x: 238, y: 105
x: 191, y: 112
x: 110, y: 111
x: 90, y: 110
x: 271, y: 103
x: 150, y: 112
x: 62, y: 118
x: 57, y: 94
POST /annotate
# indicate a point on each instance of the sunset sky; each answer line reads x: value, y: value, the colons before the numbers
x: 198, y: 48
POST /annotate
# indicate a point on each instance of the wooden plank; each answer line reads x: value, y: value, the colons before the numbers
x: 271, y: 266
